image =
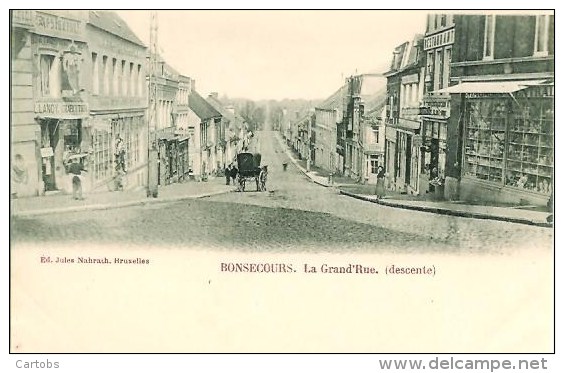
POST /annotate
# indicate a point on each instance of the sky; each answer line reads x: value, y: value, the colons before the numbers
x: 277, y: 54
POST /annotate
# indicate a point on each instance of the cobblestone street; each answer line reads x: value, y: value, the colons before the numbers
x: 293, y: 214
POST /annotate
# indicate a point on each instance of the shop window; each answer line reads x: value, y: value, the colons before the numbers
x: 541, y: 35
x: 489, y: 37
x: 101, y: 146
x: 530, y: 154
x: 50, y: 76
x: 485, y: 138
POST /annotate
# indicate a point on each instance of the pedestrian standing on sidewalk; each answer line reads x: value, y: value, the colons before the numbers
x: 75, y: 171
x: 228, y: 174
x: 233, y: 173
x: 380, y: 176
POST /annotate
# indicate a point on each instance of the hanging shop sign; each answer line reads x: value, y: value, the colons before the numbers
x: 438, y: 106
x: 46, y: 152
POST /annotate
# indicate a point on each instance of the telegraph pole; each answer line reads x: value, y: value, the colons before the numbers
x: 152, y: 166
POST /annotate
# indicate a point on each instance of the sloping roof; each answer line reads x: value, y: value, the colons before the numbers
x: 375, y: 102
x: 414, y: 45
x: 217, y: 105
x: 111, y: 22
x: 201, y: 107
x: 335, y: 101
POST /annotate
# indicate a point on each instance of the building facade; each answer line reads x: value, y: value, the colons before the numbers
x: 404, y: 92
x: 364, y: 93
x: 76, y: 90
x: 438, y: 45
x: 327, y: 114
x: 202, y: 121
x: 49, y: 74
x: 504, y: 144
x: 183, y: 137
x: 27, y: 162
x: 115, y: 134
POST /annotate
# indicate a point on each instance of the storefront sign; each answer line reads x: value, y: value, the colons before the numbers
x: 51, y: 23
x: 62, y: 110
x: 436, y: 106
x: 438, y: 40
x: 102, y: 102
x: 46, y: 152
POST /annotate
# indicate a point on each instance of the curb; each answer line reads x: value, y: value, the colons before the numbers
x: 110, y: 206
x: 286, y: 150
x: 442, y: 211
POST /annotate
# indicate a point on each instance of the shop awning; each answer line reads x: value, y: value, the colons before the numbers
x: 408, y: 124
x: 490, y: 87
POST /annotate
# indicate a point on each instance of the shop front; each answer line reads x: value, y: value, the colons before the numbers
x: 435, y: 115
x: 61, y: 142
x: 390, y: 156
x: 508, y: 153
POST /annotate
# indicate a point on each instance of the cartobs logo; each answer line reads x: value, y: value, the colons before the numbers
x: 37, y: 364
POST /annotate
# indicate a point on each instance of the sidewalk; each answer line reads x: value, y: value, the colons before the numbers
x: 513, y: 214
x: 33, y: 206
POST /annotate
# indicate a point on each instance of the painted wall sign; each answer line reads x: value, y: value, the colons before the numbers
x: 438, y: 40
x: 51, y: 22
x: 62, y: 109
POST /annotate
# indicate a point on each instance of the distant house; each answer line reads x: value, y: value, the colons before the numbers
x: 363, y: 93
x: 327, y: 114
x: 232, y: 129
x: 203, y: 118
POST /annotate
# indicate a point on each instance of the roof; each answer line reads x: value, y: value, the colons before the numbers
x: 217, y: 105
x: 375, y: 102
x: 334, y: 101
x: 201, y: 107
x: 111, y: 22
x: 406, y: 55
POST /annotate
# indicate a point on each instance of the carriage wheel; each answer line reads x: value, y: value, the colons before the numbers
x: 242, y: 184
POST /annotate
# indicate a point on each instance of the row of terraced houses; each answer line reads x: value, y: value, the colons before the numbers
x: 465, y: 111
x: 79, y: 90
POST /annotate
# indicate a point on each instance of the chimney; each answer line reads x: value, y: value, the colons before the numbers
x: 214, y: 95
x: 192, y: 85
x: 230, y: 109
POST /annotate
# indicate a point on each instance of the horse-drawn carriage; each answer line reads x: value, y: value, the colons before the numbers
x: 251, y: 170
